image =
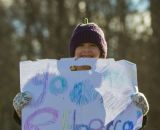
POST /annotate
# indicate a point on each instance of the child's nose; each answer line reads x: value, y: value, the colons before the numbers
x: 86, y: 50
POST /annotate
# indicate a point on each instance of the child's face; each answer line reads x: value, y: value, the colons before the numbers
x: 89, y: 50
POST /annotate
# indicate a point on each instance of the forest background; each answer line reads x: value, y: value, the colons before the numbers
x: 38, y: 29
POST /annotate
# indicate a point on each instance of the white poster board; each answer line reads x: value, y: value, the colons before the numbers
x: 95, y: 99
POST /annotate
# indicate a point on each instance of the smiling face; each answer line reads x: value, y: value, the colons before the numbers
x: 89, y: 50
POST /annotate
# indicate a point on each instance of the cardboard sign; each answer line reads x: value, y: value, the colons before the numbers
x: 66, y: 97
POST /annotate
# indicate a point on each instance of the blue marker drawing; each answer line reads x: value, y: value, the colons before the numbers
x: 58, y: 85
x: 96, y: 121
x: 83, y: 93
x: 139, y: 114
x: 128, y: 125
x: 40, y: 82
x: 39, y: 79
x: 116, y: 78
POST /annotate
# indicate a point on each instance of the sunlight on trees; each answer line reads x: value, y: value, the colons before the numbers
x: 35, y: 29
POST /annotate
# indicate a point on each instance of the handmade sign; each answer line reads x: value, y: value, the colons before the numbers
x: 68, y: 98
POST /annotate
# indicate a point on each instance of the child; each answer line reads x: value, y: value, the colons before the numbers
x: 87, y: 40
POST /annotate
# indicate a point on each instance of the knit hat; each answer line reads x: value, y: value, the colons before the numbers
x: 88, y: 32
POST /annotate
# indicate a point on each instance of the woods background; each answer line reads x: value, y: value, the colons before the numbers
x: 36, y: 29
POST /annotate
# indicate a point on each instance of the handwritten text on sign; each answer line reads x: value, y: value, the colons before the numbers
x: 96, y: 99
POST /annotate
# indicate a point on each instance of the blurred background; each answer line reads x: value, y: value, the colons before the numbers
x: 36, y: 29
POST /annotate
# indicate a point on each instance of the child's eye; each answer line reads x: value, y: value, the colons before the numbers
x: 93, y: 45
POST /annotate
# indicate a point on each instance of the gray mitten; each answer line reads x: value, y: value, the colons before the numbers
x: 140, y: 101
x: 20, y: 100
